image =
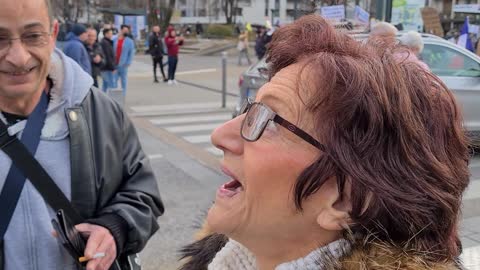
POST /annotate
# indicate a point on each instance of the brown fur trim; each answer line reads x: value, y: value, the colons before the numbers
x: 199, y: 254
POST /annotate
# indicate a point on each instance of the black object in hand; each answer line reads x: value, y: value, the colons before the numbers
x: 68, y: 236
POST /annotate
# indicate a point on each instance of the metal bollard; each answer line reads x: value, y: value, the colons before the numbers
x: 224, y: 79
x: 117, y: 95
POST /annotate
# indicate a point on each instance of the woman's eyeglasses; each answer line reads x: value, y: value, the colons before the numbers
x: 257, y: 118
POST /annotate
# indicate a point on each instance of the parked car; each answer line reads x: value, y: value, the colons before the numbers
x: 457, y: 67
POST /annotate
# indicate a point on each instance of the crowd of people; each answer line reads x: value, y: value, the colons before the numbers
x: 352, y: 156
x: 109, y: 58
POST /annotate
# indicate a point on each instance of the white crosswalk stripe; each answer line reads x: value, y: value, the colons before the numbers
x: 195, y: 128
x: 471, y: 258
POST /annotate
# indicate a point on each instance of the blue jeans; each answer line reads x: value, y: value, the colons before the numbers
x: 172, y: 67
x: 122, y: 73
x: 107, y: 77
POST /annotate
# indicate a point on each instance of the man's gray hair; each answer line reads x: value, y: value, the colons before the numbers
x: 384, y: 29
x: 412, y: 40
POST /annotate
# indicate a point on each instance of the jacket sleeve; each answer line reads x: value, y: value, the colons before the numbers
x: 131, y: 52
x: 137, y: 201
x: 151, y: 39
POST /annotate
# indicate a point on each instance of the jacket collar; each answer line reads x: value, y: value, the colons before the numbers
x: 70, y: 85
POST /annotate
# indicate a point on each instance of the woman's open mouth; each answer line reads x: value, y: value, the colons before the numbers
x: 230, y: 189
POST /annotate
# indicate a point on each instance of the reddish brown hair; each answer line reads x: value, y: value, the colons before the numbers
x: 392, y: 130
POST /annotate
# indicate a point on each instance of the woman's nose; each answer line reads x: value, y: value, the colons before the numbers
x: 227, y: 136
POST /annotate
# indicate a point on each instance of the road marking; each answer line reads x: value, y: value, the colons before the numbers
x: 174, y: 107
x: 197, y: 139
x: 197, y: 71
x: 193, y: 128
x: 157, y: 156
x: 215, y: 151
x: 473, y: 190
x: 471, y: 258
x: 191, y: 119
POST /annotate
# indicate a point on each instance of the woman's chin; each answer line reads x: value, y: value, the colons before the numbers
x: 221, y: 220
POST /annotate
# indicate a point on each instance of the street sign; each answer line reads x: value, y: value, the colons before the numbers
x: 467, y: 8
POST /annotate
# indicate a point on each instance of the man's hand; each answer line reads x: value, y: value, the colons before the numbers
x: 99, y: 240
x: 97, y: 59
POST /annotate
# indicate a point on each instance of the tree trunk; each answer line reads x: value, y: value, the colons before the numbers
x: 168, y: 14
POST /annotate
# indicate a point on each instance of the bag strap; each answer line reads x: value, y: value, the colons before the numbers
x: 32, y: 170
x: 40, y: 179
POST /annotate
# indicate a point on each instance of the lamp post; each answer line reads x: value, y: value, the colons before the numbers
x: 295, y: 9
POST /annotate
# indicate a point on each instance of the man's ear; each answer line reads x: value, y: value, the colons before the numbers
x: 334, y: 216
x: 55, y: 30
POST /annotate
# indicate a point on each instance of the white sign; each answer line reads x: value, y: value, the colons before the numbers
x: 407, y: 12
x: 361, y: 15
x: 473, y: 28
x: 467, y: 8
x: 336, y: 13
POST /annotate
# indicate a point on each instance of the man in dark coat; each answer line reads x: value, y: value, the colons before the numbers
x: 108, y: 68
x: 97, y: 57
x: 156, y: 50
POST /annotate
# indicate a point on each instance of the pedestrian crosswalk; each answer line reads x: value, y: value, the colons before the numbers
x: 193, y: 123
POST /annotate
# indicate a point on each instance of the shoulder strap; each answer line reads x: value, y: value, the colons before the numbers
x: 37, y: 175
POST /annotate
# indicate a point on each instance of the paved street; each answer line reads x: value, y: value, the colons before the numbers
x: 175, y: 122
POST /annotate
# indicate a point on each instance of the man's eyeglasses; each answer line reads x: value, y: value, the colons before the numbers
x: 29, y: 40
x: 257, y: 118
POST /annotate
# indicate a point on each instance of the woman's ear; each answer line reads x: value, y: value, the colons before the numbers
x: 334, y: 215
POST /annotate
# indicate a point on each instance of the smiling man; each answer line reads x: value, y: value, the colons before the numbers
x: 86, y: 144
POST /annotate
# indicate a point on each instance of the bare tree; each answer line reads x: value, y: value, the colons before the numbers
x: 229, y: 9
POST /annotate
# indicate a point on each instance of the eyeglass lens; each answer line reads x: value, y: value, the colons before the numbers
x: 255, y: 121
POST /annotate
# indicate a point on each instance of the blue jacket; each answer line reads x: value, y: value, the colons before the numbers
x: 75, y: 49
x: 128, y: 51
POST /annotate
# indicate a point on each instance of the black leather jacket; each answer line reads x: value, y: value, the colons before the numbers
x: 112, y: 181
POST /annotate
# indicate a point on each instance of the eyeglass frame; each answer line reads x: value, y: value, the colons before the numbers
x: 10, y: 40
x: 273, y: 116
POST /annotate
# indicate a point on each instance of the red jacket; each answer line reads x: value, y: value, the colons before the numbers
x: 172, y: 45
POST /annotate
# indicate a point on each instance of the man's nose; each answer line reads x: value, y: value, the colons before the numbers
x: 17, y: 54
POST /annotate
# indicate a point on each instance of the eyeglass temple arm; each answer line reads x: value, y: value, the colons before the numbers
x: 297, y: 131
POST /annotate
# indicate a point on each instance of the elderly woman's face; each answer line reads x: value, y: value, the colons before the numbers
x: 258, y: 200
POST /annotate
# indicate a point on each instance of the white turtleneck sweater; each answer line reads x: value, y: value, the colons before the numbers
x: 234, y: 256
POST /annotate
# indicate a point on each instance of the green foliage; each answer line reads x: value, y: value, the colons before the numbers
x: 220, y: 30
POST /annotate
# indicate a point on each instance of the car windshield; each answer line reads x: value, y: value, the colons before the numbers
x: 444, y: 61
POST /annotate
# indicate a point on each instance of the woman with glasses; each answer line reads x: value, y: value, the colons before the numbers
x: 347, y: 159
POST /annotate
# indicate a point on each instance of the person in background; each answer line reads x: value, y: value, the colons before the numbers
x: 242, y: 47
x: 124, y: 48
x: 199, y: 29
x: 385, y: 31
x: 97, y: 56
x: 261, y: 42
x: 86, y: 143
x: 156, y: 49
x: 414, y: 43
x: 75, y: 47
x: 173, y: 46
x: 108, y: 69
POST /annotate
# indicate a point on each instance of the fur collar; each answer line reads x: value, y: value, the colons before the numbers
x: 363, y: 255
